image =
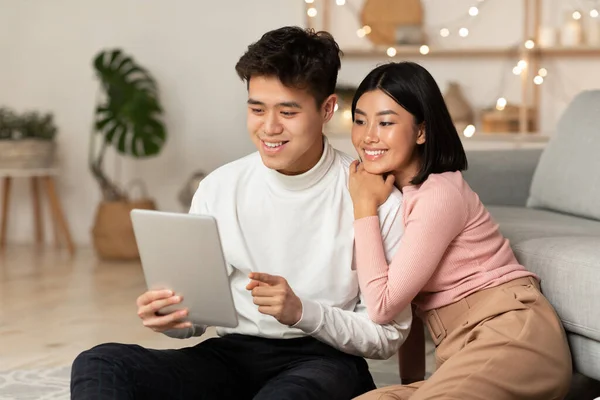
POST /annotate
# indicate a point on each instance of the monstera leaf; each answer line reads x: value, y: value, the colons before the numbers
x: 129, y: 117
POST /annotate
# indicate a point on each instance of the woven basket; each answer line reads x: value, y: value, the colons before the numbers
x: 26, y: 153
x: 112, y: 234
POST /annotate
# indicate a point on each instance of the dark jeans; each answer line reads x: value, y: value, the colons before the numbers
x: 230, y: 367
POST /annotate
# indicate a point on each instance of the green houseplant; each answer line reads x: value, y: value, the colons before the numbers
x: 127, y: 118
x: 26, y: 140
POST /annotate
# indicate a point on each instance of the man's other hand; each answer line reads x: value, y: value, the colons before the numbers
x: 149, y: 305
x: 275, y: 297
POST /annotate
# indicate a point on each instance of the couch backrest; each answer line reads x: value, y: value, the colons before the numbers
x: 567, y: 178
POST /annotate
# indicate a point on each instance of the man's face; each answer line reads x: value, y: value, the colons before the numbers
x: 286, y: 125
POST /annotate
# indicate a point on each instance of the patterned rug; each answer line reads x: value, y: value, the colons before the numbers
x: 38, y: 384
x: 53, y: 383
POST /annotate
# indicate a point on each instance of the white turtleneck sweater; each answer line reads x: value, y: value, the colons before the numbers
x: 301, y: 228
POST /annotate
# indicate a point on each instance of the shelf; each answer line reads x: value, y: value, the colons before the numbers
x: 413, y: 51
x: 580, y: 51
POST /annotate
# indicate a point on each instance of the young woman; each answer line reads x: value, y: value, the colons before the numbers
x: 496, y: 335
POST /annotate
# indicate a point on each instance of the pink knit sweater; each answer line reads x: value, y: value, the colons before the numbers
x: 451, y: 248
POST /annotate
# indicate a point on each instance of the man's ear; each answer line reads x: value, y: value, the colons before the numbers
x: 328, y: 107
x: 421, y: 136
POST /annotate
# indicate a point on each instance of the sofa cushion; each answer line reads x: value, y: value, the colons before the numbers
x: 566, y: 178
x: 586, y: 355
x: 569, y: 268
x: 520, y: 223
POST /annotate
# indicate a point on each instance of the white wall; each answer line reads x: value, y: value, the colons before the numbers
x: 191, y: 47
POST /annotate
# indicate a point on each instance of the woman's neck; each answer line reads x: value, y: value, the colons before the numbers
x: 404, y: 176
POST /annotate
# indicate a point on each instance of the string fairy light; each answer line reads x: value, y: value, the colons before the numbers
x: 469, y: 130
x: 473, y: 11
x: 501, y: 104
x: 312, y: 12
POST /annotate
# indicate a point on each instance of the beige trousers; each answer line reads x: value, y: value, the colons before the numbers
x: 502, y: 343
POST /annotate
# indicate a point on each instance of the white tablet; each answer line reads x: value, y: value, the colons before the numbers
x: 183, y: 253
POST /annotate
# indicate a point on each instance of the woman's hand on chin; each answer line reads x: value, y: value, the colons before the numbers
x: 368, y: 191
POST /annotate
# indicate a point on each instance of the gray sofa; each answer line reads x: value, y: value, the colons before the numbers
x: 547, y: 203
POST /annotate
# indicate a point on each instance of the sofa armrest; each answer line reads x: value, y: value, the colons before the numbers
x: 502, y: 177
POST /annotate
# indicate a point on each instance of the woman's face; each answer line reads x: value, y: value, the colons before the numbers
x: 385, y: 135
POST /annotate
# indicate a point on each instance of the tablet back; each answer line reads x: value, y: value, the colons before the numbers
x: 183, y: 253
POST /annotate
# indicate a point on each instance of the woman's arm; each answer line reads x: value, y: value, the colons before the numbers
x: 433, y: 219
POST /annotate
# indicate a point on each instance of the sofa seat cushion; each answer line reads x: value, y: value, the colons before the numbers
x: 520, y: 223
x: 569, y: 268
x: 586, y: 356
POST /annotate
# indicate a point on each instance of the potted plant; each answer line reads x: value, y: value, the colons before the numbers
x: 26, y: 140
x: 127, y: 118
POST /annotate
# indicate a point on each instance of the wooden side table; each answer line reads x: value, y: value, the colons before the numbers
x: 43, y: 177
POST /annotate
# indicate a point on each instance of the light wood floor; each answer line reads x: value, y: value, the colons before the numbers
x: 53, y: 306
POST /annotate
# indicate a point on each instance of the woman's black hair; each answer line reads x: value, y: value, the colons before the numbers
x: 413, y: 88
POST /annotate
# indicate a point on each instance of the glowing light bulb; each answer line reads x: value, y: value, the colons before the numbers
x: 309, y: 1
x: 469, y: 131
x: 594, y: 13
x: 473, y: 11
x: 340, y: 2
x: 336, y: 107
x: 463, y: 32
x: 543, y: 72
x: 517, y: 70
x: 501, y: 104
x: 522, y: 64
x: 576, y: 15
x: 538, y: 80
x: 444, y: 32
x: 529, y: 44
x: 361, y: 33
x: 391, y: 52
x: 367, y: 29
x: 424, y: 49
x: 312, y: 12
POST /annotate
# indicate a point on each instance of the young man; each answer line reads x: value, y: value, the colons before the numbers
x: 286, y: 220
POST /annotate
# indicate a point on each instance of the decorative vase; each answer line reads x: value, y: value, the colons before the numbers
x: 548, y: 36
x: 571, y: 33
x: 593, y: 32
x: 458, y: 106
